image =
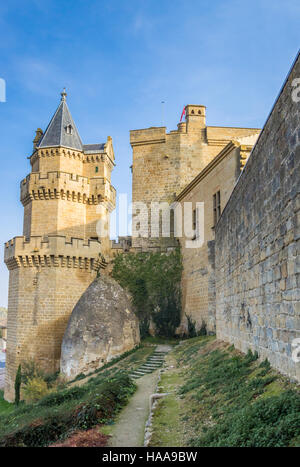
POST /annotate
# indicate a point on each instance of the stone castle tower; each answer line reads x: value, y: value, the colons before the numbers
x: 164, y: 163
x: 63, y: 244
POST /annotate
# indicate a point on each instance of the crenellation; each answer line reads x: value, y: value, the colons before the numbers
x: 55, y: 251
x: 64, y: 185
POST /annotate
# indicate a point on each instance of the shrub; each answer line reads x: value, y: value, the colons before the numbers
x: 35, y: 389
x: 191, y: 327
x: 31, y: 370
x: 59, y: 397
x: 202, y: 331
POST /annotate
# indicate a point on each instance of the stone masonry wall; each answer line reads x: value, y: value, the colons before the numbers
x: 258, y: 243
x: 198, y: 279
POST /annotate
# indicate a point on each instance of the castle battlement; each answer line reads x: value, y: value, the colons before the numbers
x: 68, y: 186
x: 53, y: 250
x: 52, y: 177
x: 148, y: 135
x: 56, y: 152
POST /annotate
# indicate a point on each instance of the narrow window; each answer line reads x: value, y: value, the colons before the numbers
x: 195, y: 224
x: 217, y: 207
x: 194, y: 219
x: 96, y: 169
x: 69, y: 129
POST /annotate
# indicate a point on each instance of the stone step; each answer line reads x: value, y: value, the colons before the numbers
x: 147, y: 370
x: 139, y: 373
x: 153, y: 362
x: 152, y: 365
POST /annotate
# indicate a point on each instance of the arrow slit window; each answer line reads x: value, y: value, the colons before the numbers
x: 217, y: 207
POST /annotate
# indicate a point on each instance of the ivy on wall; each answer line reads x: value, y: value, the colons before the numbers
x: 153, y: 280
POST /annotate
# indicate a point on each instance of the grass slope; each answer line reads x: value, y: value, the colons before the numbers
x: 59, y: 414
x: 220, y: 397
x: 5, y: 407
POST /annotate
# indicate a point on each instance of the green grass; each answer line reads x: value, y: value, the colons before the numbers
x: 156, y: 340
x: 167, y: 426
x: 109, y: 364
x: 226, y: 398
x: 126, y: 363
x: 5, y: 407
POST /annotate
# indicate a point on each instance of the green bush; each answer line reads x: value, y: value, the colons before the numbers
x: 59, y: 397
x: 191, y: 327
x: 31, y: 370
x: 202, y: 331
x: 153, y: 280
x: 34, y: 389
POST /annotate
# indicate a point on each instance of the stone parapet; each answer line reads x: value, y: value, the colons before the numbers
x: 148, y: 135
x: 53, y: 251
x: 52, y: 152
x: 67, y: 186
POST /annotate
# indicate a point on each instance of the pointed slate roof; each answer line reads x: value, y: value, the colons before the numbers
x: 61, y: 130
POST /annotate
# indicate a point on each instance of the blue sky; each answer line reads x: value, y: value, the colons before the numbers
x: 119, y: 59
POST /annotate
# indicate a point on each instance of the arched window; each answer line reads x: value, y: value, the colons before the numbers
x: 69, y: 129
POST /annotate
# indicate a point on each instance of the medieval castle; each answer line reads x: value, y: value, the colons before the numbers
x: 243, y: 281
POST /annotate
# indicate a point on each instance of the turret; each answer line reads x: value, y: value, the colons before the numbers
x: 195, y: 117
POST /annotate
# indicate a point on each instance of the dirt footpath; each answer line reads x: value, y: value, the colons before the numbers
x: 129, y: 429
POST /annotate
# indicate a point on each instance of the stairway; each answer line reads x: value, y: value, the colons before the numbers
x: 152, y: 363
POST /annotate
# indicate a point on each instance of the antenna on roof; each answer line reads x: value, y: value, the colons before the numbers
x: 162, y: 113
